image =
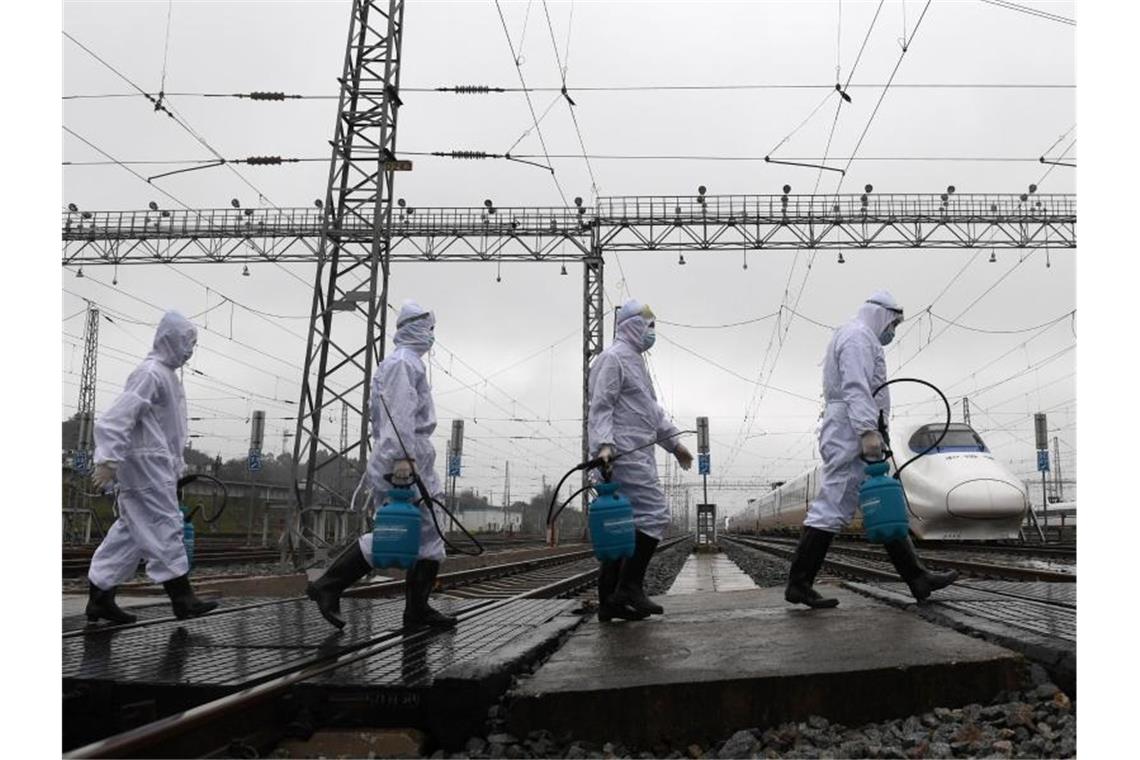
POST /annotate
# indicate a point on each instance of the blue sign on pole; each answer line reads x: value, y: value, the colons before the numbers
x: 1043, y: 460
x: 704, y: 464
x: 254, y: 460
x: 453, y: 467
x: 80, y: 462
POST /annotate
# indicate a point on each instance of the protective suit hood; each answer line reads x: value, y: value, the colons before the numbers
x: 174, y: 340
x: 878, y: 311
x: 414, y: 327
x: 633, y: 320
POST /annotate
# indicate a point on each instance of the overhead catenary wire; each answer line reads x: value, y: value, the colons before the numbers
x: 883, y: 94
x: 752, y: 409
x: 268, y: 96
x: 486, y: 155
x: 165, y: 50
x: 570, y: 104
x: 174, y: 115
x: 530, y: 104
x: 1031, y: 11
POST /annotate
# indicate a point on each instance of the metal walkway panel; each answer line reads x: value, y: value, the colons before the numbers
x: 996, y: 606
x: 414, y: 664
x: 229, y: 649
x: 1037, y: 619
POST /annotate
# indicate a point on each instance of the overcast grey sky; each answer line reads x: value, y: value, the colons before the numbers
x: 297, y: 47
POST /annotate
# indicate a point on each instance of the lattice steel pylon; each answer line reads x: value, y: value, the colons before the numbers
x: 85, y: 440
x: 352, y: 273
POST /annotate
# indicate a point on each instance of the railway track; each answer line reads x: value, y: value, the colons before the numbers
x: 866, y: 563
x: 208, y: 728
x: 76, y: 560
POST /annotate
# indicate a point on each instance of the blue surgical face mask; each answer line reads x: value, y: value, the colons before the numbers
x: 648, y: 339
x: 887, y: 335
x: 189, y: 351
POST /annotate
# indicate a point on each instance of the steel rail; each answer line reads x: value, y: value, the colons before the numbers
x: 145, y: 741
x: 384, y: 588
x: 859, y: 570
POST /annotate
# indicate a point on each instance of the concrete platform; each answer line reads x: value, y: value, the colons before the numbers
x: 717, y: 663
x: 709, y: 573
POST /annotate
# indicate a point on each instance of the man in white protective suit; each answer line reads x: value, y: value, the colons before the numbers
x: 625, y: 419
x: 853, y: 368
x: 402, y: 381
x: 139, y: 443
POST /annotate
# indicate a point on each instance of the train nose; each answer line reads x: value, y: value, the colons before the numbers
x: 984, y: 499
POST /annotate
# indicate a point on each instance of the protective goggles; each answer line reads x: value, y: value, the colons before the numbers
x: 893, y: 309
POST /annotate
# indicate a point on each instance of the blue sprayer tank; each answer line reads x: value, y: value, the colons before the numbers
x: 396, y: 531
x: 188, y: 535
x: 611, y: 524
x: 883, y: 503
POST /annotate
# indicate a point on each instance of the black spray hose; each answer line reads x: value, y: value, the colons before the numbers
x: 552, y: 515
x: 569, y: 499
x: 883, y: 425
x: 186, y: 480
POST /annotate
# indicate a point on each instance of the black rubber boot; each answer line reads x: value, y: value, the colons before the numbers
x: 182, y: 598
x: 101, y: 605
x: 608, y: 579
x: 805, y: 566
x: 609, y: 608
x: 417, y: 587
x: 642, y: 555
x: 345, y: 570
x: 920, y: 580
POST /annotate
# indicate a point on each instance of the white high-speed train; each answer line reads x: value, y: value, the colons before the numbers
x: 957, y: 491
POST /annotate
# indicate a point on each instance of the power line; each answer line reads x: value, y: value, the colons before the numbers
x: 1031, y: 11
x: 720, y: 326
x: 883, y: 95
x: 483, y: 155
x: 266, y: 96
x: 1002, y: 332
x: 530, y: 104
x: 736, y: 374
x: 570, y: 104
x: 174, y: 115
x: 999, y: 281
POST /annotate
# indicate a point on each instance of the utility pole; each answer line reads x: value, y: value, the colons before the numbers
x: 455, y: 462
x: 1057, y: 469
x: 506, y: 496
x: 1041, y: 429
x: 966, y: 410
x: 256, y: 440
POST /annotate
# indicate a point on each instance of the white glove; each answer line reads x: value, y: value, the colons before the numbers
x: 871, y: 444
x: 684, y: 457
x: 402, y: 472
x: 606, y: 453
x: 104, y: 475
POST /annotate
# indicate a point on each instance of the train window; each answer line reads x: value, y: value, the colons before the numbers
x: 959, y: 437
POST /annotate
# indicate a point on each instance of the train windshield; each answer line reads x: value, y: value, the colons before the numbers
x: 959, y: 437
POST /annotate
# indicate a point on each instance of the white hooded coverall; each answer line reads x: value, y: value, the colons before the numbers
x: 852, y: 369
x: 624, y: 413
x: 144, y: 434
x: 402, y: 379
